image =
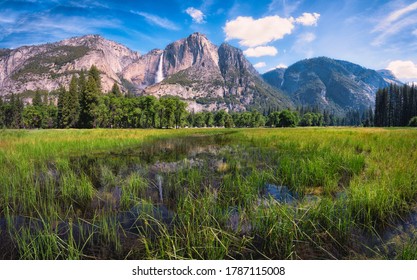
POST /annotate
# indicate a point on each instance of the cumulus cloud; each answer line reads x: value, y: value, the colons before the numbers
x: 281, y: 65
x: 403, y: 69
x: 254, y: 32
x: 260, y: 65
x: 308, y: 19
x: 195, y: 14
x: 158, y: 21
x: 261, y: 51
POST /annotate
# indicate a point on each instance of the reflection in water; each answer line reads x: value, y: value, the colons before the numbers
x: 280, y: 193
x: 159, y: 183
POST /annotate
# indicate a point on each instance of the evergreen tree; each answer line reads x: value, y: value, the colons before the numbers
x: 73, y: 103
x: 228, y: 121
x: 180, y: 111
x: 2, y: 113
x: 209, y: 119
x: 88, y: 101
x: 95, y: 74
x: 219, y: 118
x: 37, y: 100
x: 62, y: 94
x: 115, y: 90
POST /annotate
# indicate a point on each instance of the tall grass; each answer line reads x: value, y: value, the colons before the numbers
x: 62, y: 202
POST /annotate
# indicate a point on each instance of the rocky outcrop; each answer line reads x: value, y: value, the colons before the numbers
x: 50, y: 65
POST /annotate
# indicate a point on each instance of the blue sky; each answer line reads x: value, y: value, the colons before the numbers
x: 374, y: 33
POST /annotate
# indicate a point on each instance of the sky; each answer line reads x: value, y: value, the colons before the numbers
x: 376, y: 34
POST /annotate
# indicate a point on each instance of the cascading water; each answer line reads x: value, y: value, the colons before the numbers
x: 159, y: 72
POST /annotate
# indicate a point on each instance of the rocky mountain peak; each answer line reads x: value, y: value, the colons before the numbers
x: 195, y: 50
x: 234, y: 66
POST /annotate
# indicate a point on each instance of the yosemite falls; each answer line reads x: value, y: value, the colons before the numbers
x: 159, y: 73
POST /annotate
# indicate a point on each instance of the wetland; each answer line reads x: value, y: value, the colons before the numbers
x: 311, y: 193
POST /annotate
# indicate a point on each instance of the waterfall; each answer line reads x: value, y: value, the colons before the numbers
x: 159, y: 72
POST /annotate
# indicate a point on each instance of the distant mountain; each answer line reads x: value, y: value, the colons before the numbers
x: 328, y: 83
x: 206, y: 76
x: 275, y: 77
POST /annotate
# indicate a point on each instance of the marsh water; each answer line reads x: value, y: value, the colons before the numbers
x: 171, y: 168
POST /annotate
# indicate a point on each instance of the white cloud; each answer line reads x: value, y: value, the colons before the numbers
x: 394, y: 16
x: 395, y: 22
x: 260, y: 65
x: 301, y: 45
x: 306, y: 38
x: 261, y: 51
x: 282, y: 5
x: 281, y: 65
x: 158, y: 21
x: 45, y: 27
x: 393, y: 29
x: 254, y: 32
x: 195, y: 14
x: 308, y: 19
x: 403, y: 69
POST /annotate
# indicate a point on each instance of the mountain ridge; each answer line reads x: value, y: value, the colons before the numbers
x: 333, y: 84
x: 206, y: 76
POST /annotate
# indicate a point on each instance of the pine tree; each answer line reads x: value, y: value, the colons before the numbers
x: 115, y: 90
x: 73, y: 103
x: 2, y: 113
x: 61, y: 105
x: 95, y: 74
x: 88, y: 102
x: 37, y: 100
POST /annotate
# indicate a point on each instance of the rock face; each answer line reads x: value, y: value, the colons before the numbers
x: 51, y: 65
x: 212, y: 78
x: 275, y: 77
x: 332, y: 84
x: 206, y: 76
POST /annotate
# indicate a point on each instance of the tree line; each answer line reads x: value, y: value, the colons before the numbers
x: 83, y: 105
x: 396, y: 106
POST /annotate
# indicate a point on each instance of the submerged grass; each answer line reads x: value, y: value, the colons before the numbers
x: 81, y: 194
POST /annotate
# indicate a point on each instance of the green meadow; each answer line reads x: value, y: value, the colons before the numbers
x: 295, y: 193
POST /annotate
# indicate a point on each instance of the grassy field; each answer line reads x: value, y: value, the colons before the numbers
x: 297, y: 193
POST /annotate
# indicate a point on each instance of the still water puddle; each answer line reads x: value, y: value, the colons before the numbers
x: 280, y: 193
